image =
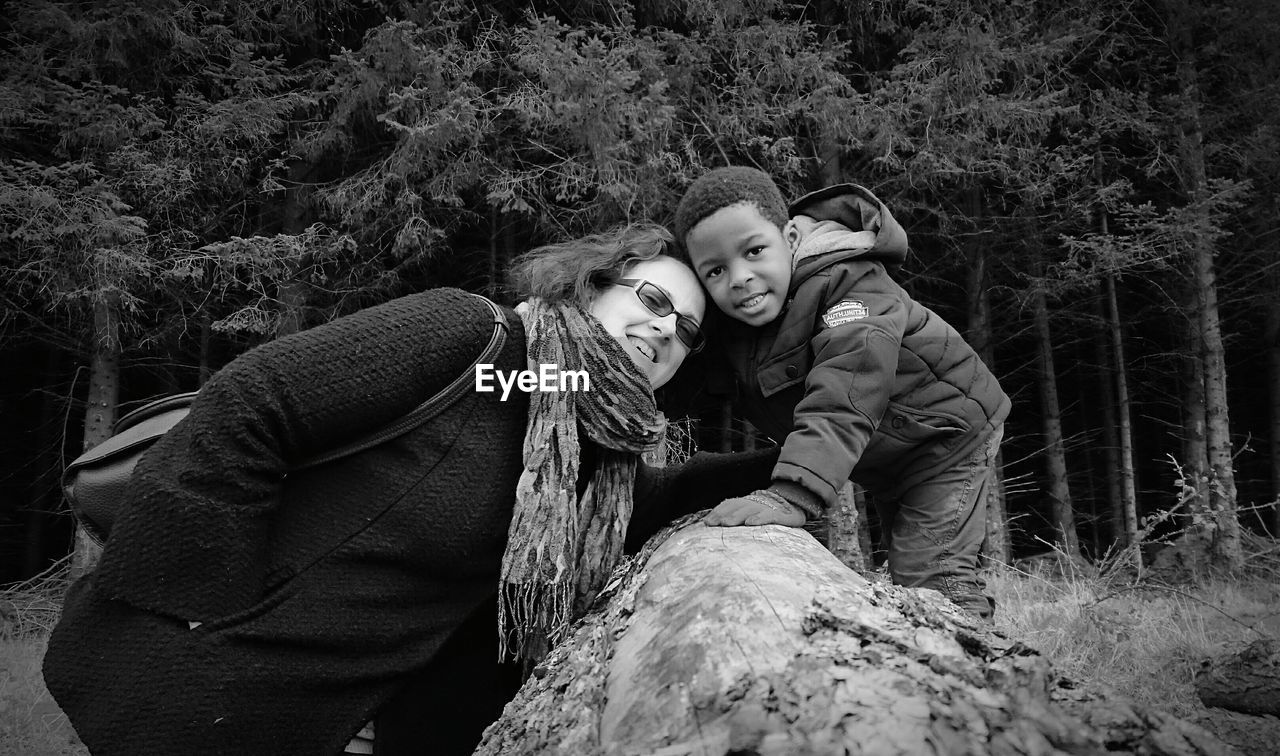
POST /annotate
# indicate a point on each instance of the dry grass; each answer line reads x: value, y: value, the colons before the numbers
x: 1144, y: 639
x: 30, y: 722
x: 1144, y: 643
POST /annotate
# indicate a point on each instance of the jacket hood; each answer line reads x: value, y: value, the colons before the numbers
x: 838, y: 223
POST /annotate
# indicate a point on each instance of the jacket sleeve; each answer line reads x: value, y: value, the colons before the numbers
x: 849, y: 384
x: 193, y: 536
x: 664, y: 493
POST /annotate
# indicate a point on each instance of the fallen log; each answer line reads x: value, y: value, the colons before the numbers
x: 756, y: 640
x: 1247, y: 680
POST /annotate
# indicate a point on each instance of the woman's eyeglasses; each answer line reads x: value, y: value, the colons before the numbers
x: 653, y: 297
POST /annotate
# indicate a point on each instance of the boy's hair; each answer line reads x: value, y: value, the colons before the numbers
x: 725, y: 187
x: 578, y: 269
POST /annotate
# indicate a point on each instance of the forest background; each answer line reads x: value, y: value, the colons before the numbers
x: 1091, y: 189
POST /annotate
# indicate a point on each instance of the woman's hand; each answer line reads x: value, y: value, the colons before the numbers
x: 763, y: 507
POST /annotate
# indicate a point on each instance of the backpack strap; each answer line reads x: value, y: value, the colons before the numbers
x: 432, y: 406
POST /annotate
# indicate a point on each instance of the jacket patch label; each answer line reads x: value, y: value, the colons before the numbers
x: 845, y: 312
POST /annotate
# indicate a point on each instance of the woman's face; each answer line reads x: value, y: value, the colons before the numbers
x: 651, y: 339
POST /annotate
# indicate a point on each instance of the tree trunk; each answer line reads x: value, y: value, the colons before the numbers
x: 1226, y: 548
x: 1106, y: 402
x: 1195, y: 471
x: 757, y: 640
x: 1128, y: 476
x: 1222, y: 490
x: 726, y: 426
x: 100, y: 411
x: 829, y: 160
x: 827, y: 141
x: 844, y: 534
x: 296, y: 216
x: 205, y: 368
x: 864, y: 506
x: 1121, y: 471
x: 995, y: 545
x: 497, y: 262
x: 1059, y: 490
x: 1246, y: 680
x: 1273, y: 398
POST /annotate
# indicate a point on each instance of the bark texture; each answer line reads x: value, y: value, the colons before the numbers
x: 995, y: 545
x: 1225, y: 528
x: 759, y: 641
x: 295, y: 216
x: 1247, y: 681
x: 1124, y: 430
x: 845, y: 526
x: 1055, y: 455
x: 1273, y: 382
x: 100, y: 412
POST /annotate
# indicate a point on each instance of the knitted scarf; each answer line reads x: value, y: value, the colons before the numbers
x: 561, y: 549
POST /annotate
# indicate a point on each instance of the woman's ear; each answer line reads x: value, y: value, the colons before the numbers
x: 595, y: 287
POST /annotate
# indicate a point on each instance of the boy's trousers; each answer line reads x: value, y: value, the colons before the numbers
x: 935, y: 529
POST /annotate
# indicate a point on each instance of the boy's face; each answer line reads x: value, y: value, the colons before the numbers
x: 743, y: 261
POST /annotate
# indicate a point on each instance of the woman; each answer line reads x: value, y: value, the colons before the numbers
x: 237, y: 611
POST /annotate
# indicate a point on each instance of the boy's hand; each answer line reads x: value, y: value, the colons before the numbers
x: 762, y: 507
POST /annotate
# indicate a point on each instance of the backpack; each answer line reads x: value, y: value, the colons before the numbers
x: 94, y: 483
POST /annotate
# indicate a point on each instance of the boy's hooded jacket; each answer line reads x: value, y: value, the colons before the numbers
x: 860, y: 379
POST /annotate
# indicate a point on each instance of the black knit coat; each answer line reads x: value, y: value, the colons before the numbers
x: 326, y: 598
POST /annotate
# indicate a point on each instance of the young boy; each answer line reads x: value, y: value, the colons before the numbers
x: 862, y: 381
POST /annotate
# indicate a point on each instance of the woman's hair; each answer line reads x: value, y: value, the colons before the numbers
x: 579, y: 268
